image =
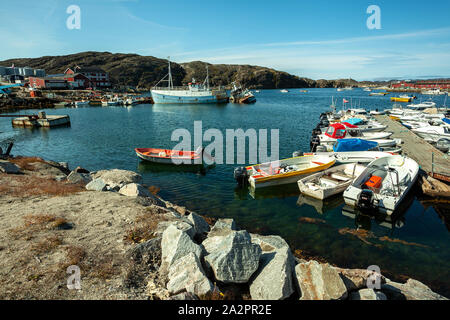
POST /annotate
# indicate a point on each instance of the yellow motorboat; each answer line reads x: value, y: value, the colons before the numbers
x: 399, y: 99
x: 287, y: 171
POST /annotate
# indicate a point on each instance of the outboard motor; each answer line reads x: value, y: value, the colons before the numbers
x: 296, y: 154
x: 241, y: 176
x: 366, y: 200
x: 315, y: 141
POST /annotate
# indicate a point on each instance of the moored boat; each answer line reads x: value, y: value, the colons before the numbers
x: 168, y: 156
x: 383, y: 184
x: 194, y: 93
x: 283, y: 171
x: 330, y: 182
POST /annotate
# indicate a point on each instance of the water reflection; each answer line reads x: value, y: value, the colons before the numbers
x: 321, y: 207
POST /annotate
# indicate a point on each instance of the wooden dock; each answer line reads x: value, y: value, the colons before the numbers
x: 431, y: 160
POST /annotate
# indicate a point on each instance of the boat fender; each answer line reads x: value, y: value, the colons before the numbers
x: 241, y: 176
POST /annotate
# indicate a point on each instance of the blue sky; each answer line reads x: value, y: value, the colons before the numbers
x: 315, y: 39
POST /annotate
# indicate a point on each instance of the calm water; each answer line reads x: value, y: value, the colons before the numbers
x: 416, y: 244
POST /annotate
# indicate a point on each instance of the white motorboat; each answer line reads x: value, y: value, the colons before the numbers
x: 284, y: 91
x: 383, y: 184
x: 376, y: 112
x: 330, y: 182
x: 349, y: 157
x: 370, y: 126
x: 81, y: 104
x: 432, y: 133
x: 422, y: 105
x: 338, y: 131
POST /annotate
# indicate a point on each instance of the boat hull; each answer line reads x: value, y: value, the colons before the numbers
x: 169, y: 97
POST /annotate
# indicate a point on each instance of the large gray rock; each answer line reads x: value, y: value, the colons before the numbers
x: 269, y: 243
x: 355, y: 279
x: 96, y: 185
x: 200, y: 225
x: 8, y: 167
x: 235, y: 259
x: 177, y: 243
x: 411, y: 290
x: 180, y: 224
x: 81, y: 178
x: 187, y: 273
x: 274, y: 278
x: 318, y: 281
x: 116, y: 177
x: 367, y: 294
x: 222, y: 227
x: 135, y: 190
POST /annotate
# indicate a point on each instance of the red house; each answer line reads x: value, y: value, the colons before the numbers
x: 98, y: 78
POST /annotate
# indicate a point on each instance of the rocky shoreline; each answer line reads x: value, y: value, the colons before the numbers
x: 157, y: 250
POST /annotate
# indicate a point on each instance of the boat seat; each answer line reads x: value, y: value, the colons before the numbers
x: 341, y: 176
x: 329, y: 180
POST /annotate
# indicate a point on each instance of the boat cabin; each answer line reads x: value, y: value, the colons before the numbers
x: 339, y: 131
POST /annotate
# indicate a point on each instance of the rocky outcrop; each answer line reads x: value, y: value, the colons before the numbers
x: 81, y: 178
x: 235, y: 259
x: 134, y: 190
x: 8, y: 167
x: 411, y: 290
x: 187, y: 273
x: 355, y: 279
x: 201, y: 227
x: 274, y: 278
x: 318, y: 281
x: 116, y: 177
x: 177, y: 243
x: 222, y: 227
x: 97, y: 185
x: 367, y: 294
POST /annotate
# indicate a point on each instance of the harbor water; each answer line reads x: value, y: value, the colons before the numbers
x: 416, y: 244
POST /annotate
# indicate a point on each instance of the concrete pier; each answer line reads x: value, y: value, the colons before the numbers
x: 48, y: 121
x: 431, y: 160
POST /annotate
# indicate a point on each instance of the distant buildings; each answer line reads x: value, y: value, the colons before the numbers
x: 11, y: 74
x: 443, y: 84
x: 76, y: 78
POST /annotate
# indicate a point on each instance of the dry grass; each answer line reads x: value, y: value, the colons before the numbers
x: 26, y: 186
x: 26, y: 162
x: 144, y: 228
x: 34, y: 224
x: 47, y: 245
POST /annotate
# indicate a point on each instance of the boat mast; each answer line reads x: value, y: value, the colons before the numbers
x: 170, y: 75
x: 207, y: 77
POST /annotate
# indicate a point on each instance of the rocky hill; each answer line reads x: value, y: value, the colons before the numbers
x: 145, y: 71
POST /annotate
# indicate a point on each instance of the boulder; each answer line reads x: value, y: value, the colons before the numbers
x: 367, y: 294
x: 200, y: 225
x: 116, y: 177
x: 8, y: 167
x: 49, y: 169
x: 135, y: 190
x: 184, y: 296
x: 269, y: 243
x: 187, y: 273
x: 147, y: 251
x: 96, y: 185
x: 222, y: 227
x: 318, y: 281
x: 81, y: 170
x: 235, y: 259
x: 149, y: 201
x: 177, y: 243
x: 411, y: 290
x: 180, y: 224
x: 82, y: 178
x: 355, y: 279
x: 274, y: 278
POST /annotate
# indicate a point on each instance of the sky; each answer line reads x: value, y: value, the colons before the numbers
x: 315, y: 39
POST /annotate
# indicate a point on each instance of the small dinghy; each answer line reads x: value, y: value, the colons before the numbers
x: 330, y: 182
x: 283, y: 171
x: 383, y: 185
x: 168, y: 156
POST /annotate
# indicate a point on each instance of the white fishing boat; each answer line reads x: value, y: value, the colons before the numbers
x: 283, y: 171
x: 338, y: 131
x: 330, y: 182
x: 432, y: 133
x: 194, y: 93
x: 383, y: 184
x: 433, y: 92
